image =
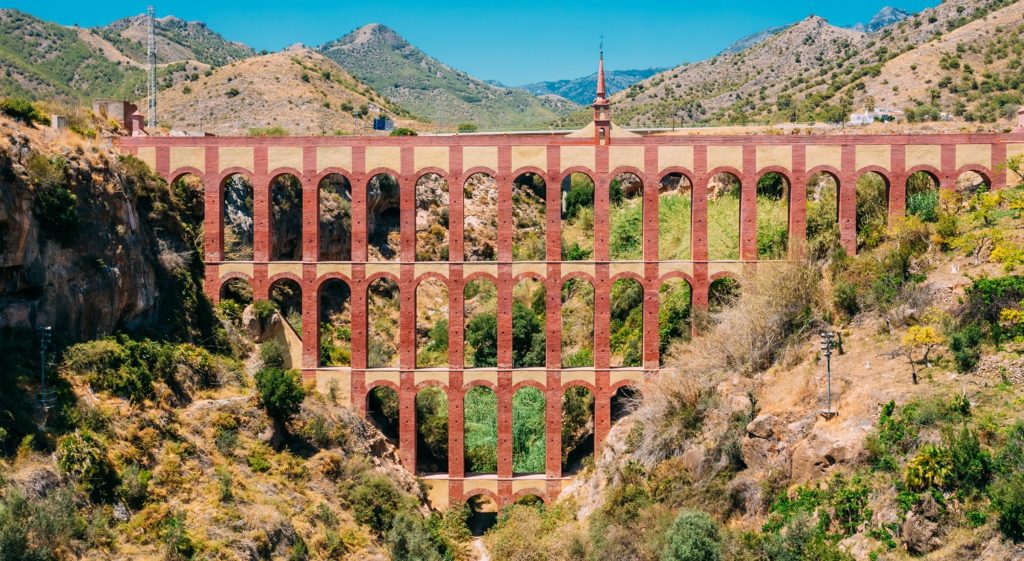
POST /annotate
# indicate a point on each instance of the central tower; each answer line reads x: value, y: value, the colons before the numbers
x: 602, y: 109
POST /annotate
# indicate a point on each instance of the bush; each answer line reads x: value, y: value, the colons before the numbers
x: 281, y: 393
x: 272, y: 354
x: 400, y: 131
x: 23, y: 110
x: 965, y: 344
x: 83, y: 457
x: 55, y: 205
x: 693, y: 537
x: 1008, y: 502
x: 409, y: 540
x: 931, y: 468
x: 375, y: 501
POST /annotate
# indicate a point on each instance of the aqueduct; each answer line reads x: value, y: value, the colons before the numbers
x: 603, y: 154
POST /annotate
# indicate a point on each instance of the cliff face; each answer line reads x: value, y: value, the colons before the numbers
x: 91, y: 243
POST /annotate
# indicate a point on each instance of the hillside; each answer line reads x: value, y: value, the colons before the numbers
x: 431, y: 90
x: 813, y: 71
x: 581, y: 90
x: 176, y: 40
x: 299, y: 91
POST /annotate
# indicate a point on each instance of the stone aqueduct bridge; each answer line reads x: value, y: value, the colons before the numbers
x: 552, y: 156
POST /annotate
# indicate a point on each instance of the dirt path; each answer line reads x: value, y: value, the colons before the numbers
x: 481, y: 550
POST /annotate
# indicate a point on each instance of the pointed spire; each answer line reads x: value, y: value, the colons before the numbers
x: 601, y: 92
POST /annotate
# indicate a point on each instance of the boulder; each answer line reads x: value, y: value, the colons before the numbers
x: 920, y: 534
x: 693, y: 460
x: 815, y: 456
x: 756, y: 452
x: 763, y: 426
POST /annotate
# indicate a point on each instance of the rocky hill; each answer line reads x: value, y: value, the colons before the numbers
x: 292, y: 92
x: 813, y: 71
x: 176, y: 40
x: 581, y: 90
x: 884, y: 18
x: 432, y: 90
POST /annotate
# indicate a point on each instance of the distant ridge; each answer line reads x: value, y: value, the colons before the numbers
x: 581, y: 90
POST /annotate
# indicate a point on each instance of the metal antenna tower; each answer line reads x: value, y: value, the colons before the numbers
x: 828, y: 343
x: 47, y: 397
x: 151, y: 60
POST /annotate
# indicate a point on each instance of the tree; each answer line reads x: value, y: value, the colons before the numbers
x: 281, y: 395
x: 693, y: 537
x: 919, y: 339
x: 482, y: 334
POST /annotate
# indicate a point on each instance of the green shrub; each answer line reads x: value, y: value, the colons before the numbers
x: 257, y: 460
x: 263, y: 309
x: 177, y: 541
x: 400, y: 131
x: 134, y: 488
x: 482, y: 335
x: 924, y: 205
x: 965, y: 344
x: 83, y: 457
x: 23, y: 110
x: 1008, y: 502
x: 931, y: 468
x: 281, y: 393
x: 409, y: 539
x: 844, y: 299
x: 972, y: 466
x: 693, y: 536
x: 375, y: 501
x: 55, y: 205
x: 272, y: 354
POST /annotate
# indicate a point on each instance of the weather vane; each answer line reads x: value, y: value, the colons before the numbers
x: 602, y: 46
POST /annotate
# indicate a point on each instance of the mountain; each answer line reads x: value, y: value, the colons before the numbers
x: 308, y: 94
x: 581, y: 90
x: 432, y: 90
x: 958, y: 58
x: 176, y: 40
x: 751, y: 40
x: 884, y: 18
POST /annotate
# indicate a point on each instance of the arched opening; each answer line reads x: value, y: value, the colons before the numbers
x: 577, y: 323
x: 432, y: 431
x: 872, y: 209
x: 188, y: 194
x: 626, y: 309
x: 335, y: 323
x: 382, y: 409
x: 237, y: 218
x: 480, y: 207
x: 529, y: 324
x: 822, y: 215
x: 923, y: 196
x: 383, y: 218
x: 529, y: 204
x: 383, y: 337
x: 577, y: 217
x: 626, y: 218
x: 675, y: 315
x: 528, y: 424
x: 335, y: 193
x: 483, y: 514
x: 675, y: 194
x: 480, y: 307
x: 286, y: 295
x: 286, y: 218
x: 970, y: 183
x: 723, y: 217
x: 577, y: 428
x: 530, y: 500
x: 624, y: 401
x: 773, y: 216
x: 431, y: 324
x: 235, y: 297
x: 480, y: 430
x: 722, y: 293
x: 432, y: 218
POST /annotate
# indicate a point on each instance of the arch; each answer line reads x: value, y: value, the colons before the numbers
x: 822, y: 214
x: 480, y: 429
x: 480, y: 309
x: 431, y: 407
x: 577, y: 323
x: 529, y: 408
x: 286, y: 295
x: 872, y: 193
x: 624, y: 401
x: 969, y: 181
x: 383, y: 217
x: 577, y: 217
x: 334, y: 192
x: 480, y: 217
x: 772, y: 193
x: 723, y: 291
x: 675, y: 201
x: 383, y: 409
x: 626, y: 217
x: 626, y: 318
x: 724, y: 188
x: 922, y: 192
x: 529, y: 324
x: 237, y: 227
x: 285, y: 218
x: 183, y: 171
x: 531, y: 497
x: 432, y: 201
x: 383, y: 306
x: 483, y: 508
x: 431, y: 323
x: 529, y: 213
x: 188, y: 193
x: 577, y: 426
x: 675, y: 315
x: 335, y: 345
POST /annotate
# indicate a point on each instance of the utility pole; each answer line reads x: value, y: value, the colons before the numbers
x: 46, y: 396
x: 828, y: 342
x: 151, y: 60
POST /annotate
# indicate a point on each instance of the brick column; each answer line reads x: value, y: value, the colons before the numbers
x: 407, y: 318
x: 359, y: 302
x: 602, y: 411
x: 699, y: 206
x: 553, y: 426
x: 407, y: 421
x: 310, y: 322
x: 456, y: 425
x: 897, y: 203
x: 947, y: 179
x: 358, y: 182
x: 602, y: 313
x: 260, y: 282
x: 798, y: 203
x: 505, y: 285
x: 848, y: 201
x: 407, y: 208
x: 553, y: 206
x: 553, y: 317
x: 651, y: 327
x: 211, y: 282
x: 506, y: 222
x: 748, y: 205
x: 504, y: 396
x: 213, y: 208
x: 456, y: 317
x: 310, y: 207
x: 998, y: 167
x: 456, y: 206
x: 261, y: 206
x: 601, y: 206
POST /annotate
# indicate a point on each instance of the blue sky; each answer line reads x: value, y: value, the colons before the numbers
x: 513, y: 42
